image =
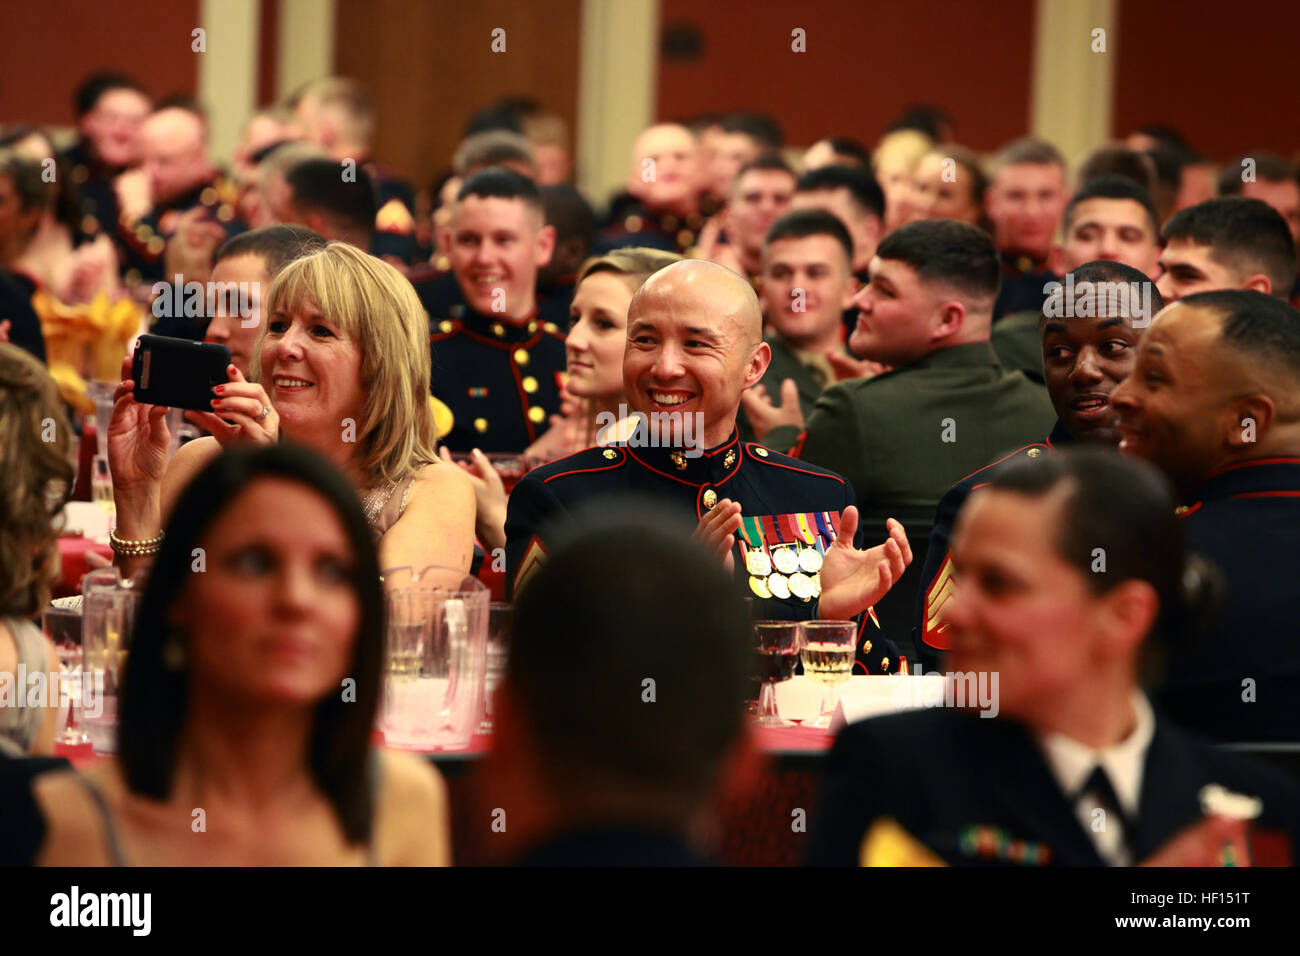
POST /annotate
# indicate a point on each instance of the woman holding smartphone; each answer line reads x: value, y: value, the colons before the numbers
x: 341, y: 367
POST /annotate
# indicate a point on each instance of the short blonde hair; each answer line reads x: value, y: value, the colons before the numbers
x: 635, y: 264
x: 376, y: 307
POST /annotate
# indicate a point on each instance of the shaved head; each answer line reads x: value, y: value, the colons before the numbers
x: 694, y: 344
x: 725, y: 293
x: 174, y: 152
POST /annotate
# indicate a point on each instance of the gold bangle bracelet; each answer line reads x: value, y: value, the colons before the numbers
x: 131, y: 549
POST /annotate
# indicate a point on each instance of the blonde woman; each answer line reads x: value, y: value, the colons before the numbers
x: 341, y: 367
x: 594, y: 400
x: 37, y: 474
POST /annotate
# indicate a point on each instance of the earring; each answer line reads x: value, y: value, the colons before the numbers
x: 173, y: 653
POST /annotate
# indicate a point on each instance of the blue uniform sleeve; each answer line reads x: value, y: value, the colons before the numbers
x: 531, y: 511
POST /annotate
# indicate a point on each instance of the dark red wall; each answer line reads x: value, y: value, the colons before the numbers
x: 865, y: 61
x: 47, y: 46
x: 1224, y: 73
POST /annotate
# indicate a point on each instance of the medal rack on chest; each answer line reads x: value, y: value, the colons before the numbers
x: 784, y: 553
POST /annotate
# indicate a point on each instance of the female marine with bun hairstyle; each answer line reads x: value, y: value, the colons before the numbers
x: 1071, y: 574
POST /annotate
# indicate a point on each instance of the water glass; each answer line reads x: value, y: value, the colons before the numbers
x: 107, y: 621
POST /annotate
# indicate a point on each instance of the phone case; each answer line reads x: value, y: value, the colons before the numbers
x: 178, y: 373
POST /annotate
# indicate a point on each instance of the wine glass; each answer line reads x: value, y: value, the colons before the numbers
x: 62, y: 624
x: 829, y: 648
x: 776, y: 648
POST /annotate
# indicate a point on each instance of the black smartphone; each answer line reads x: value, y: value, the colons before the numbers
x: 178, y: 373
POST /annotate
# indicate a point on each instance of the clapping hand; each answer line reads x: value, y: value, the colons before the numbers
x: 854, y: 580
x: 764, y: 416
x: 717, y: 531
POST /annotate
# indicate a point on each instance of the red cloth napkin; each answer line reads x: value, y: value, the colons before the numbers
x: 72, y: 563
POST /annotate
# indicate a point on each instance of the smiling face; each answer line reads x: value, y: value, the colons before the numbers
x: 311, y: 372
x: 938, y: 193
x: 758, y: 199
x: 1084, y: 360
x: 239, y: 333
x: 1116, y: 229
x: 274, y: 617
x: 1176, y: 409
x: 666, y: 168
x: 1025, y: 202
x: 496, y: 246
x: 694, y: 345
x: 818, y: 266
x: 598, y: 335
x: 1018, y: 608
x: 113, y: 126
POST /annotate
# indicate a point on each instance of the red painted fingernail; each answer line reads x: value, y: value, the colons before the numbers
x: 219, y: 389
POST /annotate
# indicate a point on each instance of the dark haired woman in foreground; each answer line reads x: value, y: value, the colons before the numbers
x: 1065, y: 566
x: 250, y: 692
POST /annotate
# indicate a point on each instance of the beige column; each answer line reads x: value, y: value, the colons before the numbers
x: 306, y: 43
x: 616, y: 89
x: 1073, y: 80
x: 227, y: 68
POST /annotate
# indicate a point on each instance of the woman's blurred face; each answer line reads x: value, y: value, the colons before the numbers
x: 598, y: 335
x: 274, y: 614
x: 312, y: 373
x: 1018, y: 608
x: 941, y: 189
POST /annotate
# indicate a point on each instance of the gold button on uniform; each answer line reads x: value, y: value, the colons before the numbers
x: 760, y: 451
x: 530, y: 384
x: 710, y: 498
x: 537, y: 414
x: 156, y: 245
x: 1034, y: 452
x: 445, y: 325
x: 610, y: 454
x: 521, y: 356
x: 498, y: 330
x: 550, y: 327
x: 532, y: 327
x: 481, y: 424
x: 208, y: 196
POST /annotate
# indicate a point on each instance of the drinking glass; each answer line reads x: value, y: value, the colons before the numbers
x: 829, y: 648
x: 776, y: 648
x: 62, y: 624
x: 435, y: 661
x: 108, y: 616
x: 498, y: 651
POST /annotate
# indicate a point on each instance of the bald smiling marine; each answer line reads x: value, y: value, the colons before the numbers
x: 788, y: 530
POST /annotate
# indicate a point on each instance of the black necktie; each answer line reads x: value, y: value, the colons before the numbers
x: 1098, y: 785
